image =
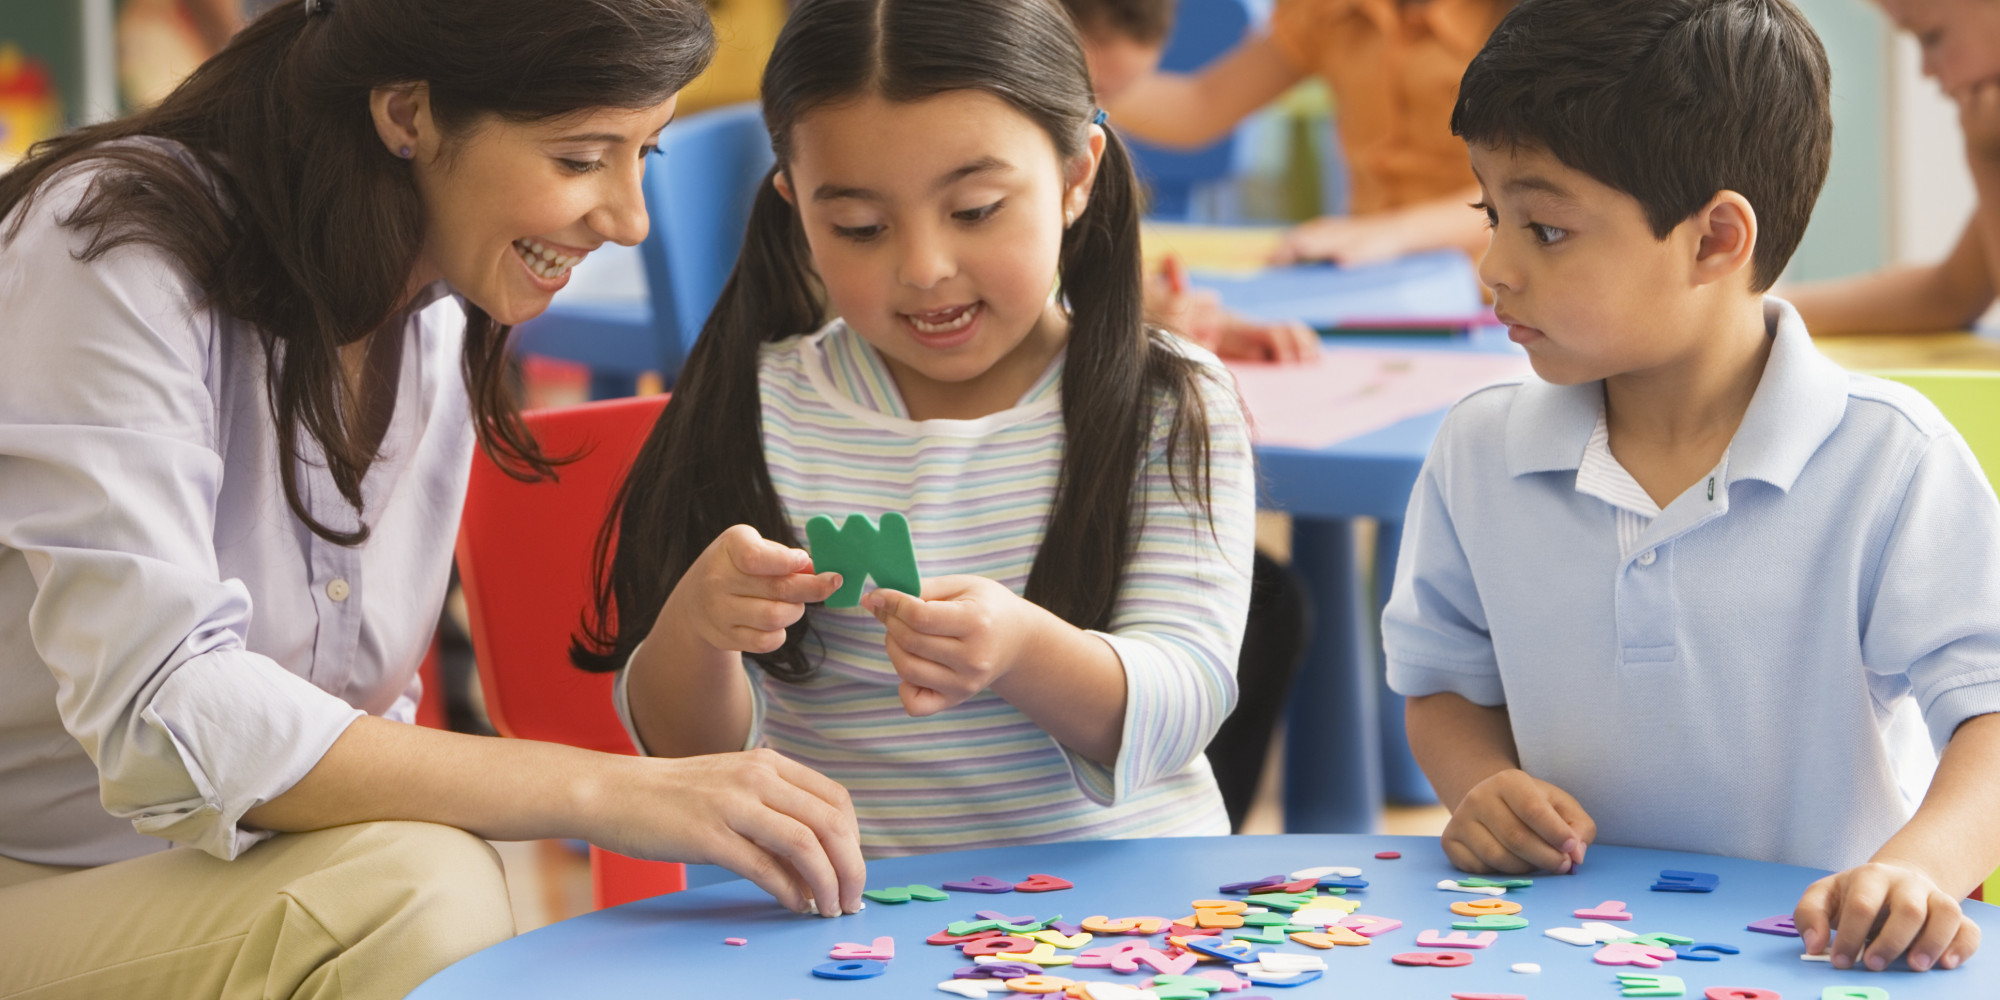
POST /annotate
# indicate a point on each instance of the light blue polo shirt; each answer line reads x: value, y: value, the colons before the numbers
x: 1727, y: 686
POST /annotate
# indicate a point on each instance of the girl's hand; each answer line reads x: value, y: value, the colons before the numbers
x: 1516, y: 823
x: 1344, y: 239
x: 744, y: 591
x: 1897, y: 905
x: 1979, y: 118
x: 1284, y: 342
x: 1198, y: 315
x: 964, y: 633
x: 770, y: 819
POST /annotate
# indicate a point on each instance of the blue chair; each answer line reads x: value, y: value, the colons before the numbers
x: 1203, y: 31
x: 698, y: 193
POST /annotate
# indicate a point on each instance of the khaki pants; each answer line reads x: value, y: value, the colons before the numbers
x: 369, y: 910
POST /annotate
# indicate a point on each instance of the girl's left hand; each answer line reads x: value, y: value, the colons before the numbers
x: 962, y: 635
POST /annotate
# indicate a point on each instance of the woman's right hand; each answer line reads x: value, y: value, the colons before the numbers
x: 744, y: 591
x: 770, y: 819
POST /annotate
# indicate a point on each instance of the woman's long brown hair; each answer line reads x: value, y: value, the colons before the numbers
x: 702, y: 469
x: 295, y: 219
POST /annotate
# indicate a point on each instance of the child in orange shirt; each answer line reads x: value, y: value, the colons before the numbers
x: 1393, y: 67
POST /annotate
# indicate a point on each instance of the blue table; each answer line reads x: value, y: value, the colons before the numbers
x: 1339, y: 709
x: 672, y: 946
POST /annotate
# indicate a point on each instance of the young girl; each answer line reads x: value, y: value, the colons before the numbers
x: 1079, y: 487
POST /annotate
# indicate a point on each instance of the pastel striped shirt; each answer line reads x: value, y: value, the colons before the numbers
x: 837, y: 441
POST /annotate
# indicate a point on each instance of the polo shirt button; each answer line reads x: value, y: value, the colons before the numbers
x: 1645, y: 559
x: 336, y: 588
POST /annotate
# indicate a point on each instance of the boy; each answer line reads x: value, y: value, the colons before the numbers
x: 1671, y: 592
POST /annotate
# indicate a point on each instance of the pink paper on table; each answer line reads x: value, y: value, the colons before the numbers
x: 1351, y: 391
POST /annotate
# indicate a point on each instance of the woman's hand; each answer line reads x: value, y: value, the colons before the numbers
x: 772, y: 820
x: 1514, y: 822
x: 963, y: 634
x: 744, y: 591
x: 1882, y: 909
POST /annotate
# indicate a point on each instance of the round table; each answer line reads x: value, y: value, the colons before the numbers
x: 673, y: 946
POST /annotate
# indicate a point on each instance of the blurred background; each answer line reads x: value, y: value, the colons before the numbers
x: 1899, y: 193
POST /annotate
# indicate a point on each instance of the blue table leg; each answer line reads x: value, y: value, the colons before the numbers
x: 1333, y: 747
x: 1402, y: 780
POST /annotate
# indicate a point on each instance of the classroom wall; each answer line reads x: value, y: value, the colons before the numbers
x: 1850, y: 228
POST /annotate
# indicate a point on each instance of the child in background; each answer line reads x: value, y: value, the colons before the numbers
x: 1122, y: 42
x: 1670, y: 593
x: 1079, y: 487
x: 1961, y: 48
x: 1393, y: 67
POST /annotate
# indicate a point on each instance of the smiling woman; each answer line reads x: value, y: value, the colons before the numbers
x: 253, y: 335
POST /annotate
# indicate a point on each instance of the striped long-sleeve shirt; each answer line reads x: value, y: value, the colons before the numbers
x: 837, y: 441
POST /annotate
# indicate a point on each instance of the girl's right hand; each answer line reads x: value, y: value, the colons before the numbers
x: 770, y: 819
x: 744, y: 591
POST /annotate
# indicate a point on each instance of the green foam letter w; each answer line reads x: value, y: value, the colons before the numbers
x: 858, y: 550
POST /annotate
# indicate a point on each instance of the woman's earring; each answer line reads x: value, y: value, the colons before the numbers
x: 405, y: 152
x: 1069, y: 219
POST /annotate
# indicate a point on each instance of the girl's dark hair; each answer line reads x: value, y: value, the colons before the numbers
x: 293, y: 217
x: 702, y: 469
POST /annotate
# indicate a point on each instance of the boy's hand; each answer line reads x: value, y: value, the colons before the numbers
x: 1894, y: 903
x: 963, y: 634
x: 1516, y: 823
x: 745, y: 590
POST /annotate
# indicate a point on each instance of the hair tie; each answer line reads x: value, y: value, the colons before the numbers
x: 1097, y: 119
x: 318, y: 7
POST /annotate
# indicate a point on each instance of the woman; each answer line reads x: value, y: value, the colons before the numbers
x: 1961, y: 51
x: 252, y: 335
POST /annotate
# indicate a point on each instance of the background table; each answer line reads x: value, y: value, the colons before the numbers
x: 672, y: 946
x: 1339, y: 709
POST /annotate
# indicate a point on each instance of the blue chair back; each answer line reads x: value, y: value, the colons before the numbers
x: 698, y: 192
x: 1203, y: 31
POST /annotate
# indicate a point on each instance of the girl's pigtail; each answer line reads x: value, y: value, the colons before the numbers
x: 1117, y: 376
x: 702, y: 467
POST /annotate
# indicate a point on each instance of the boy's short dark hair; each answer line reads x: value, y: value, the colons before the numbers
x: 1144, y: 21
x: 1669, y: 101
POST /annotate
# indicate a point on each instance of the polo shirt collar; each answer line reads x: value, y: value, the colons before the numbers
x: 1800, y: 399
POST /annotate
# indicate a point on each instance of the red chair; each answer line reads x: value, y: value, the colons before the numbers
x: 524, y: 553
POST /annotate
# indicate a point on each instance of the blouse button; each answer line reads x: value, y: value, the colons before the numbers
x: 336, y: 590
x: 1645, y: 559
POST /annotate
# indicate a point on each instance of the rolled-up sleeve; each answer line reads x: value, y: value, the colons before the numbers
x: 1932, y: 625
x: 1178, y: 623
x: 110, y: 467
x: 1434, y: 633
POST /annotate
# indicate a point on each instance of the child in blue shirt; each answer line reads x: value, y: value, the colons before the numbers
x: 1672, y: 592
